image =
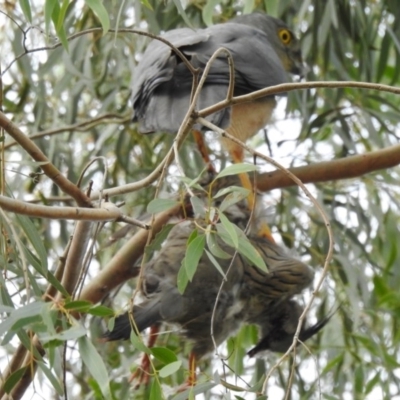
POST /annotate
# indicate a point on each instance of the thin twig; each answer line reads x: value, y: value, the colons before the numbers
x: 288, y: 87
x: 94, y: 30
x: 79, y: 126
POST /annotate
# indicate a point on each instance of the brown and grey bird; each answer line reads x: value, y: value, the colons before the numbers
x: 191, y: 311
x: 264, y: 51
x: 249, y: 295
x: 244, y: 297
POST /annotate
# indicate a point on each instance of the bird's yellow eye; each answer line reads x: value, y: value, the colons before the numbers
x: 285, y: 36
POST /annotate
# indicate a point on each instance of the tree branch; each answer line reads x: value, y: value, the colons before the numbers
x: 48, y: 168
x: 344, y: 168
x: 121, y: 267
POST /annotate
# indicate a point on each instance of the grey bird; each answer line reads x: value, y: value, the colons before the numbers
x: 264, y: 50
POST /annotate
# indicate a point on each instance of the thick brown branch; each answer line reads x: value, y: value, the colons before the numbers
x: 121, y: 267
x: 110, y: 213
x: 74, y: 262
x: 344, y: 168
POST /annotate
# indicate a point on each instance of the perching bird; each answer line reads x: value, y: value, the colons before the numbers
x: 264, y: 51
x: 243, y: 298
x: 192, y: 310
x: 279, y: 324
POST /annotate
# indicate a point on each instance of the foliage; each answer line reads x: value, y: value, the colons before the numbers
x: 73, y: 101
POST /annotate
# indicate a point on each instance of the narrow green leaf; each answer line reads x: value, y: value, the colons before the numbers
x: 192, y: 183
x: 56, y: 283
x: 230, y: 229
x: 95, y: 364
x: 251, y: 253
x: 231, y: 189
x: 48, y: 317
x: 26, y: 340
x: 78, y: 305
x: 48, y: 11
x: 55, y: 381
x: 101, y: 311
x: 236, y: 169
x: 232, y: 199
x: 215, y: 263
x: 193, y: 254
x: 208, y: 11
x: 215, y: 248
x: 75, y: 332
x: 164, y: 355
x: 170, y: 369
x: 155, y: 391
x: 26, y: 321
x: 26, y: 9
x: 61, y: 15
x: 182, y: 279
x: 30, y: 310
x: 182, y: 12
x: 58, y: 22
x: 34, y: 261
x: 199, y: 207
x: 372, y: 383
x: 158, y: 205
x: 35, y: 239
x: 13, y: 379
x: 233, y: 387
x: 192, y: 236
x: 383, y: 56
x: 159, y: 239
x: 248, y: 6
x: 147, y: 4
x: 98, y: 8
x: 138, y: 344
x: 244, y: 246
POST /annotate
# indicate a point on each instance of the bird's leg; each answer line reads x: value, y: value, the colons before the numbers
x: 192, y: 370
x: 192, y: 378
x: 198, y: 137
x: 238, y: 156
x: 142, y: 374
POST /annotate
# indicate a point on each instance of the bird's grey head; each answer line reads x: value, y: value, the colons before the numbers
x: 283, y: 40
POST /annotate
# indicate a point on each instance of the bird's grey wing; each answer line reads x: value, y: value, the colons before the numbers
x: 162, y: 87
x: 156, y: 67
